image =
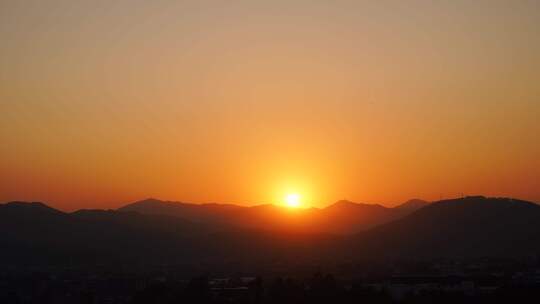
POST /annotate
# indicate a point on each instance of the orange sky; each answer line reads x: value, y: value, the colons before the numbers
x: 242, y: 101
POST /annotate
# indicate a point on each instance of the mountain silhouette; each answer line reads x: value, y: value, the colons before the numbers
x: 33, y: 233
x: 347, y: 217
x: 342, y: 217
x: 412, y: 205
x: 473, y: 226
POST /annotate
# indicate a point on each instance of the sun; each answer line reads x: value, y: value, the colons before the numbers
x: 292, y: 200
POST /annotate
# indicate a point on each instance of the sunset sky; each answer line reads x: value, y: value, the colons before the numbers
x: 107, y: 102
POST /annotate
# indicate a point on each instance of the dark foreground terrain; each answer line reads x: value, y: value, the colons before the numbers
x: 473, y: 249
x: 440, y: 281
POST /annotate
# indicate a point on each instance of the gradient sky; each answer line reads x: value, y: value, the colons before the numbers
x: 107, y: 102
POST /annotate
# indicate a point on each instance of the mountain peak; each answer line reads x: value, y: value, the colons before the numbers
x: 342, y: 204
x: 483, y: 200
x: 412, y: 205
x: 152, y: 202
x: 149, y: 200
x: 29, y: 206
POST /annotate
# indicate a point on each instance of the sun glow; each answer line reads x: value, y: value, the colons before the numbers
x: 292, y: 200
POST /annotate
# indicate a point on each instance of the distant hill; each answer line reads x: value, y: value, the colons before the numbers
x: 466, y: 227
x: 412, y: 205
x: 342, y: 217
x: 346, y: 217
x: 33, y: 233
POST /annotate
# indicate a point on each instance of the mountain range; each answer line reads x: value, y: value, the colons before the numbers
x: 152, y: 231
x: 342, y: 217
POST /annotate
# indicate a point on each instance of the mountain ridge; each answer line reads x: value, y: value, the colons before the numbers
x: 341, y: 217
x: 468, y: 226
x: 464, y: 227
